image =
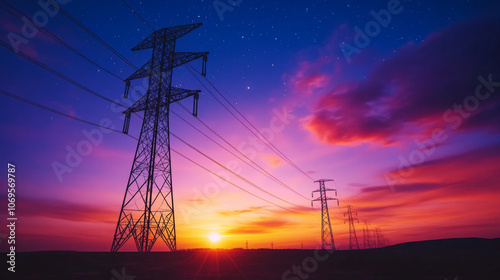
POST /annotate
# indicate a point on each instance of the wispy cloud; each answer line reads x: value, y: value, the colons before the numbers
x: 242, y: 211
x: 260, y: 226
x: 64, y: 210
x: 457, y: 191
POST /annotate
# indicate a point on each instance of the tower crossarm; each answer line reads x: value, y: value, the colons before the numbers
x: 166, y: 34
x: 179, y: 93
x: 323, y: 199
x: 142, y: 72
x: 179, y: 59
x: 323, y: 180
x: 139, y: 105
x: 326, y: 190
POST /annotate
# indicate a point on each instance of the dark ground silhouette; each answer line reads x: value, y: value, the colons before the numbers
x: 450, y: 259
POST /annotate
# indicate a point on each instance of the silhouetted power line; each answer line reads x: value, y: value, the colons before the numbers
x: 95, y: 36
x: 62, y: 76
x: 133, y: 11
x: 57, y: 39
x: 222, y: 178
x: 133, y: 66
x: 33, y: 103
x: 265, y: 141
x: 253, y: 129
x: 57, y: 73
x: 263, y: 171
x: 231, y: 171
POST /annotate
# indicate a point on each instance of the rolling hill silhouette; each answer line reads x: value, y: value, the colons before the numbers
x: 466, y: 258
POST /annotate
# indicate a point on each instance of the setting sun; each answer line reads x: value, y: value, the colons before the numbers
x: 214, y: 237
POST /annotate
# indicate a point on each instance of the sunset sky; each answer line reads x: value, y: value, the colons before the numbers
x: 406, y: 121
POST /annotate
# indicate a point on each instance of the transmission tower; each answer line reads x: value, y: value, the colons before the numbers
x: 147, y: 211
x: 367, y: 239
x: 353, y: 239
x: 327, y: 241
x: 381, y: 240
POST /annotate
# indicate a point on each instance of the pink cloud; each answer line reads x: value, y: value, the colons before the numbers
x: 311, y: 82
x: 416, y: 87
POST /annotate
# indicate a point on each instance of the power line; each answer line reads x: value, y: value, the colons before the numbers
x: 62, y: 76
x: 57, y: 73
x: 8, y: 94
x: 255, y: 131
x: 35, y: 2
x: 133, y: 11
x: 272, y: 146
x: 51, y: 70
x: 114, y: 51
x: 260, y: 168
x: 269, y: 143
x: 57, y: 39
x: 215, y: 174
x: 210, y: 92
x: 217, y: 143
x: 58, y: 112
x: 98, y: 38
x: 232, y: 172
x: 133, y: 66
x: 95, y: 36
x: 63, y: 43
x: 345, y: 201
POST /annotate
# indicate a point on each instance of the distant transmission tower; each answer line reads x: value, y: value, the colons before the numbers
x: 327, y: 241
x: 353, y: 239
x: 381, y: 240
x: 367, y: 239
x: 147, y: 211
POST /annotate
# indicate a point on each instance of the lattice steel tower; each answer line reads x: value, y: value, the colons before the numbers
x: 147, y: 211
x: 327, y: 241
x: 353, y: 239
x: 367, y: 239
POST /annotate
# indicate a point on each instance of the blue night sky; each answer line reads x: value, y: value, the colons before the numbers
x: 395, y: 118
